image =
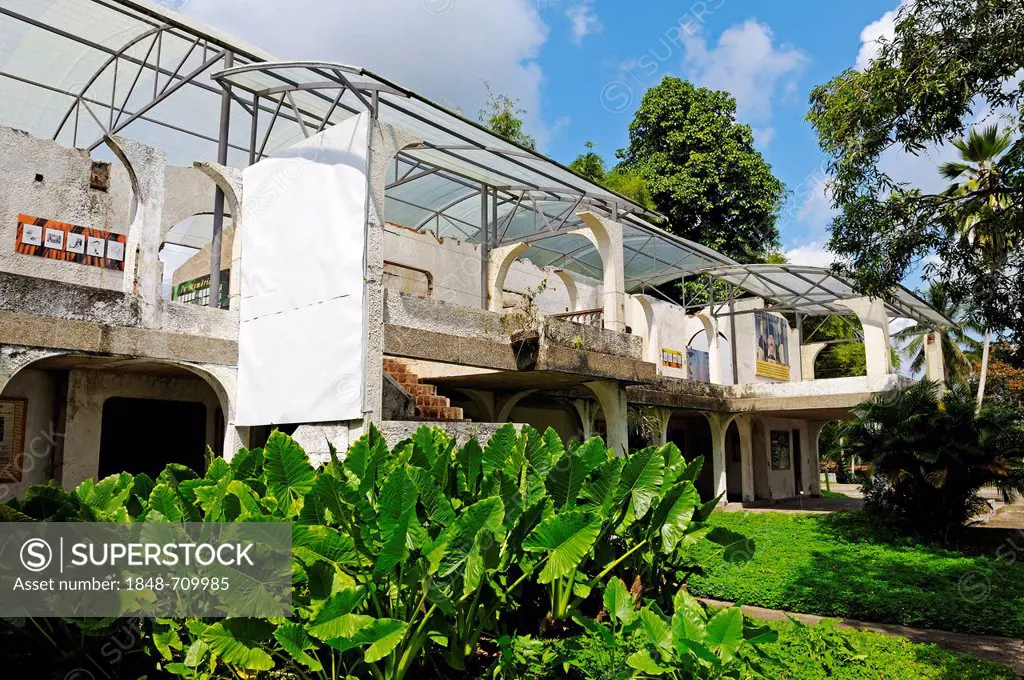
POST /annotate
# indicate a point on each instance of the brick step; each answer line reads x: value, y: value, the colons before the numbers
x: 430, y: 406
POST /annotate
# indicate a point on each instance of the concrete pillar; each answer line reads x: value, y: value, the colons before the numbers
x: 652, y: 339
x: 499, y: 262
x: 143, y: 270
x: 808, y: 355
x: 570, y: 289
x: 81, y: 430
x: 877, y: 345
x: 714, y: 347
x: 606, y: 235
x: 719, y: 426
x: 506, y: 404
x: 612, y: 398
x: 587, y: 411
x: 660, y: 416
x: 385, y: 143
x: 229, y: 180
x: 812, y: 472
x: 935, y: 366
x: 745, y: 425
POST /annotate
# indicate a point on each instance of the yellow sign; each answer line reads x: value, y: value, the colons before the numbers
x: 770, y: 369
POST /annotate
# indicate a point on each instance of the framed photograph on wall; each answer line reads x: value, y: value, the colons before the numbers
x: 12, y: 438
x: 781, y: 450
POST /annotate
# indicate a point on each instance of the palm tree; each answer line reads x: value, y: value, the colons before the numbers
x: 959, y: 349
x: 979, y: 202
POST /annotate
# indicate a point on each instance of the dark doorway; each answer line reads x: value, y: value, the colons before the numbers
x: 798, y: 462
x: 144, y: 435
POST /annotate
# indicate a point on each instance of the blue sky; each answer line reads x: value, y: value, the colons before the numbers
x: 580, y: 67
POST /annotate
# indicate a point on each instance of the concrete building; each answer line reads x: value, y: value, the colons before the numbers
x: 199, y: 243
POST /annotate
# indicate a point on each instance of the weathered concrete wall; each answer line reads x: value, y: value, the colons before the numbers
x: 778, y: 484
x: 63, y: 195
x: 87, y: 392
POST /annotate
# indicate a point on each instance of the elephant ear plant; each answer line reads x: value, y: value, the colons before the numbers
x: 411, y: 557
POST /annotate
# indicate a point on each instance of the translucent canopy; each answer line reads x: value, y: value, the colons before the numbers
x: 816, y: 291
x: 77, y: 71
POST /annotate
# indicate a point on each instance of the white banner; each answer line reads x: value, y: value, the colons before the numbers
x: 300, y: 345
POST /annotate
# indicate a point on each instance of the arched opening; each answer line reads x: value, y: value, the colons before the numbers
x: 543, y: 411
x: 733, y: 464
x: 186, y: 255
x: 86, y: 417
x: 691, y: 432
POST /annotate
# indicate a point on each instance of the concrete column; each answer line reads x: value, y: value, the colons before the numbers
x: 719, y: 426
x: 652, y: 339
x: 745, y: 425
x: 808, y: 355
x: 385, y: 143
x: 935, y: 367
x: 812, y: 472
x: 714, y: 348
x: 877, y: 346
x: 499, y: 262
x: 81, y: 430
x: 229, y: 180
x: 612, y: 398
x: 606, y: 235
x: 661, y: 416
x: 587, y: 411
x: 143, y: 270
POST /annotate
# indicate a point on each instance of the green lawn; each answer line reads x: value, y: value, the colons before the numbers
x: 847, y: 565
x: 885, y: 658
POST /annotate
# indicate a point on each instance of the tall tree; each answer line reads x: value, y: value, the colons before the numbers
x: 958, y: 348
x: 980, y: 202
x: 949, y: 59
x: 504, y: 116
x: 702, y: 170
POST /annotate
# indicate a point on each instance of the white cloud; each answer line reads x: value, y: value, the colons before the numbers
x: 816, y: 211
x: 583, y: 20
x: 874, y: 34
x: 812, y: 254
x: 444, y: 49
x: 748, y: 65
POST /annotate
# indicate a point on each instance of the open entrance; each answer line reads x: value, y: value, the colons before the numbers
x: 144, y: 435
x: 733, y: 465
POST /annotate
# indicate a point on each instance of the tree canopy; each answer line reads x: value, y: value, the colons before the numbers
x: 702, y: 170
x: 950, y: 66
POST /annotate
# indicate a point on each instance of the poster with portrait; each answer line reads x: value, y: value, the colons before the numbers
x: 698, y: 365
x: 12, y: 438
x: 782, y: 458
x: 772, y: 334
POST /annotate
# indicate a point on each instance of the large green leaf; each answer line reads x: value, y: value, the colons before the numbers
x: 379, y: 636
x: 641, y: 480
x: 294, y: 640
x: 397, y: 506
x: 436, y: 504
x: 247, y: 463
x: 618, y: 601
x: 172, y: 505
x: 565, y: 539
x: 288, y: 472
x: 482, y: 517
x: 319, y: 543
x: 236, y: 647
x: 674, y: 513
x: 643, y: 662
x: 565, y: 480
x: 725, y: 633
x: 599, y: 490
x: 658, y: 631
x: 499, y: 449
x: 336, y: 618
x: 469, y: 461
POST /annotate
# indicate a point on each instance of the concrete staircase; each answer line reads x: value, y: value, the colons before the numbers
x: 430, y: 405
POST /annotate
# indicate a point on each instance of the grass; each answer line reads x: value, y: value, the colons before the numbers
x: 882, y: 658
x: 798, y: 655
x: 847, y: 565
x: 832, y: 494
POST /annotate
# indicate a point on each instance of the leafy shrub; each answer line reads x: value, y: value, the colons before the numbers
x: 933, y: 452
x: 412, y: 556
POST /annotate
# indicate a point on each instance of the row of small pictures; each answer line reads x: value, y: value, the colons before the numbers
x: 32, y: 235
